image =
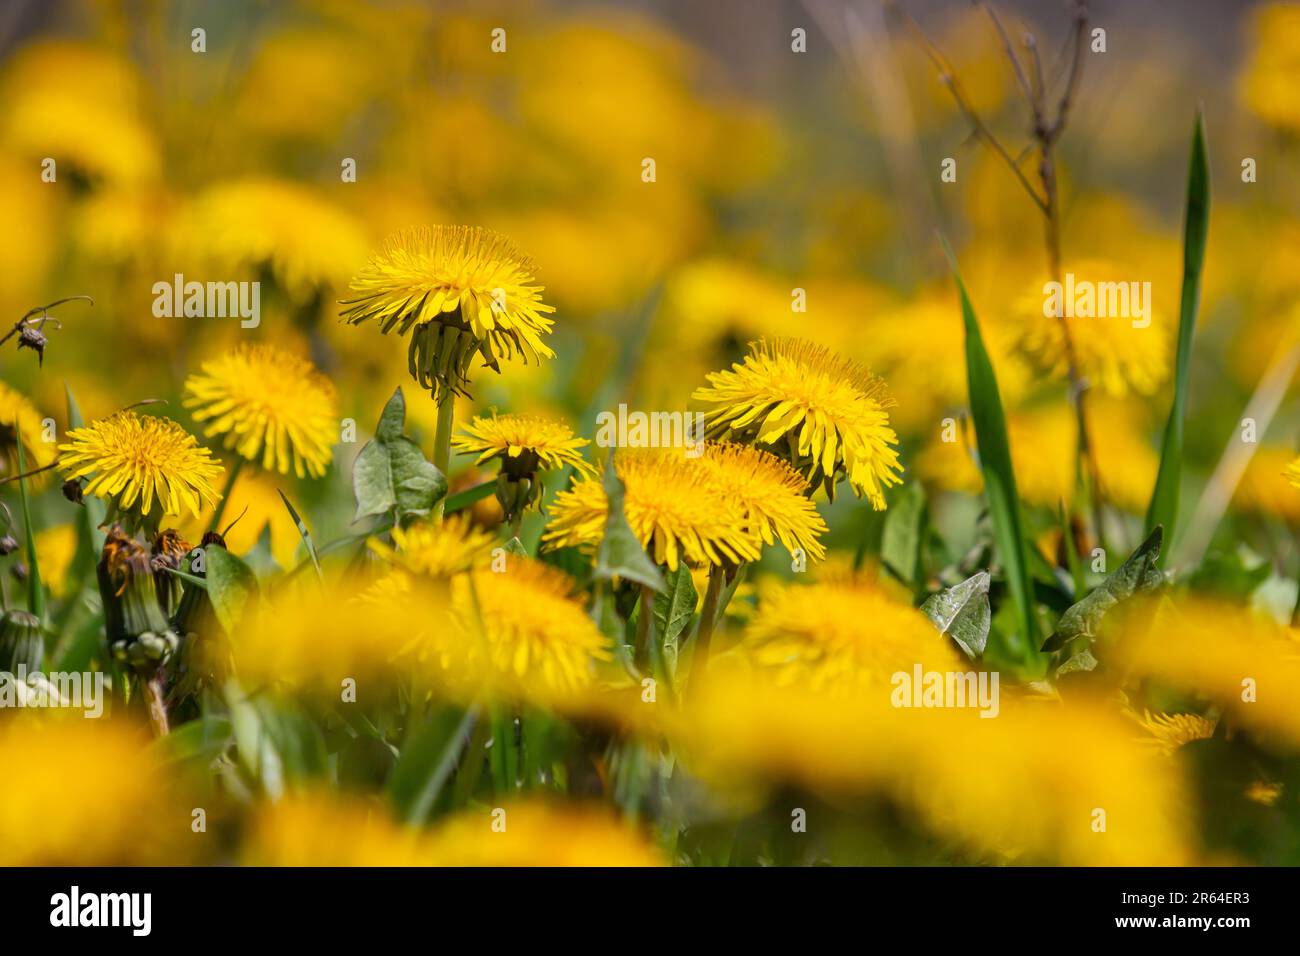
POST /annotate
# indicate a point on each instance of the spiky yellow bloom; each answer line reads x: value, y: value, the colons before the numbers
x: 1292, y: 473
x: 524, y: 443
x: 459, y: 290
x: 676, y: 508
x: 144, y: 466
x: 1121, y: 352
x: 842, y: 635
x: 1169, y: 732
x: 87, y: 793
x: 826, y: 414
x: 771, y: 493
x: 20, y: 421
x: 437, y: 550
x: 535, y: 833
x: 269, y: 404
x: 539, y: 640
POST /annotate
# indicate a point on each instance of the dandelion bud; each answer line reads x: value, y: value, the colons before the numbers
x: 137, y: 629
x: 34, y: 339
x: 8, y: 545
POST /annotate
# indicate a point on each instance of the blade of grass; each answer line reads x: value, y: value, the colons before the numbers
x: 999, y: 479
x: 35, y: 590
x: 1163, y: 509
x: 304, y: 534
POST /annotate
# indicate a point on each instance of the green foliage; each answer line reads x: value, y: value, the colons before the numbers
x: 391, y: 474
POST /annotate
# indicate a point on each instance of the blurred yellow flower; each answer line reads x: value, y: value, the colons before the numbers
x: 269, y: 404
x: 315, y: 829
x: 536, y: 833
x: 1270, y: 484
x: 1040, y: 783
x: 248, y: 224
x: 87, y: 793
x: 827, y: 415
x: 465, y: 290
x: 253, y: 507
x: 436, y: 550
x: 79, y: 105
x: 142, y: 465
x: 55, y: 549
x: 676, y: 508
x: 539, y: 640
x: 842, y: 635
x: 20, y: 421
x: 1169, y: 732
x: 1119, y: 328
x: 1268, y: 82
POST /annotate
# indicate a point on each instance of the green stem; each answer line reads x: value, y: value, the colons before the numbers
x: 231, y: 477
x: 442, y: 440
x: 35, y: 590
x: 708, y: 618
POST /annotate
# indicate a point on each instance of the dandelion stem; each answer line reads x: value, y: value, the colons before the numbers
x: 225, y: 493
x: 708, y: 618
x: 442, y: 441
x: 35, y: 590
x: 155, y: 703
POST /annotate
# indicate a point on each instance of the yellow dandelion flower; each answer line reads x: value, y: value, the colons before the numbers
x: 89, y: 793
x: 1171, y: 731
x: 21, y: 421
x: 1118, y: 351
x: 1292, y: 473
x: 146, y: 467
x: 676, y: 508
x: 540, y: 834
x: 540, y: 641
x: 269, y: 404
x: 827, y: 415
x: 459, y: 290
x: 842, y: 634
x: 772, y: 494
x: 525, y: 444
x: 304, y: 240
x: 437, y: 550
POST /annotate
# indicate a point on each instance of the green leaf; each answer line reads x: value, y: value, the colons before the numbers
x: 231, y: 585
x: 427, y: 761
x: 302, y: 533
x: 1163, y: 510
x: 391, y: 473
x: 673, y: 610
x: 999, y: 479
x: 900, y: 545
x: 620, y: 554
x: 1140, y: 572
x: 963, y: 613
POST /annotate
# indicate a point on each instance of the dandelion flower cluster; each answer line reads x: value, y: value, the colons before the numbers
x: 459, y: 291
x: 269, y: 404
x: 825, y: 414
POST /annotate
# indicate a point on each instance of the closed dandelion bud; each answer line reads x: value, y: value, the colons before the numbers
x: 203, y: 656
x: 168, y: 555
x: 22, y: 642
x: 34, y: 339
x: 137, y: 630
x: 8, y: 545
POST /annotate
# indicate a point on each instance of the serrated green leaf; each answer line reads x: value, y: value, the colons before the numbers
x: 1163, y: 509
x: 231, y: 585
x: 620, y: 554
x: 391, y: 474
x: 999, y: 478
x: 1140, y: 572
x: 673, y: 609
x: 900, y: 545
x: 962, y: 612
